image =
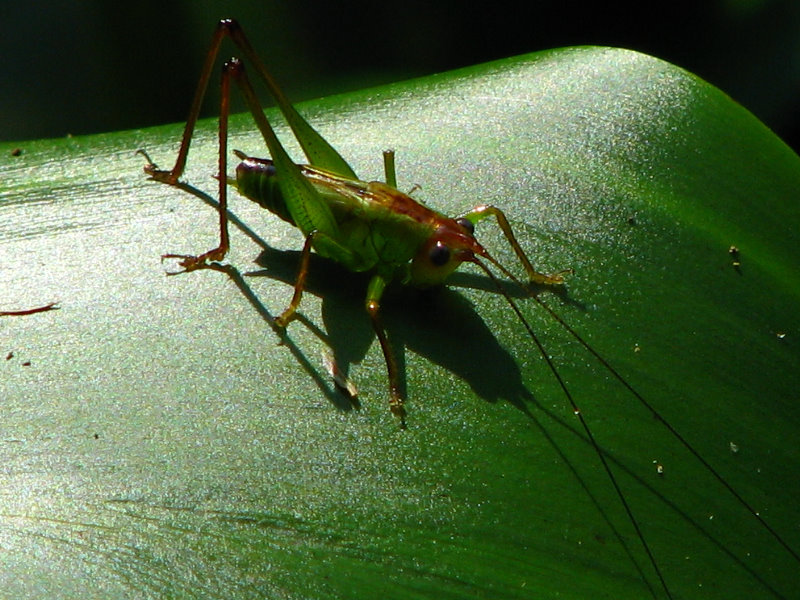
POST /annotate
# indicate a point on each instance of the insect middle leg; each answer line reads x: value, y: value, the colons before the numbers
x: 288, y: 315
x: 374, y: 293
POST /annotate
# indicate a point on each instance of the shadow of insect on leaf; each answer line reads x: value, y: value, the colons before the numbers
x: 337, y: 399
x: 442, y: 326
x: 438, y: 324
x: 283, y: 266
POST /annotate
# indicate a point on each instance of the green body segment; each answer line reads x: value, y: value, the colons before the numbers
x: 376, y: 227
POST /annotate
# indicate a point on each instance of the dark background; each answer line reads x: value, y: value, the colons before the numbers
x: 86, y: 67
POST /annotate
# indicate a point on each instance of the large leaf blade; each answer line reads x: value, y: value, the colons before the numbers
x: 225, y: 465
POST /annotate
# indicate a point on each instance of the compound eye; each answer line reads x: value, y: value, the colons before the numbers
x: 466, y: 224
x: 439, y: 255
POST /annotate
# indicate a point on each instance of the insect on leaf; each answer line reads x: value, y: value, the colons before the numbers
x: 211, y: 437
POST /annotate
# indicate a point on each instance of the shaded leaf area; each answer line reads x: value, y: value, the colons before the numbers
x: 164, y: 440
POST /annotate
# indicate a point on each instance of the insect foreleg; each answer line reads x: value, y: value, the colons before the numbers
x: 481, y: 212
x: 374, y: 292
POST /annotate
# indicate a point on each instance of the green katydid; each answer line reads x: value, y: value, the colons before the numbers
x: 364, y: 226
x: 373, y: 227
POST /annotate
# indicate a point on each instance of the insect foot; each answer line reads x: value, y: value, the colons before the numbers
x: 396, y: 405
x: 283, y: 320
x: 155, y: 173
x: 400, y: 413
x: 553, y: 278
x: 190, y: 262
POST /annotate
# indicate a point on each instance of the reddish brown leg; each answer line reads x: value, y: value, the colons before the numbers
x: 190, y: 262
x: 173, y: 175
x: 317, y: 150
x: 28, y: 311
x: 396, y: 400
x: 287, y: 315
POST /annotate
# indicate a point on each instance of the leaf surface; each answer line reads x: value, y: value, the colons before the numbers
x: 163, y: 441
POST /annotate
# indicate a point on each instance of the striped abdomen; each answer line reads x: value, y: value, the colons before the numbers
x: 255, y: 179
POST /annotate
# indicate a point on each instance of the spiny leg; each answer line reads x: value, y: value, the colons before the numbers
x: 318, y: 151
x: 190, y: 262
x: 481, y: 212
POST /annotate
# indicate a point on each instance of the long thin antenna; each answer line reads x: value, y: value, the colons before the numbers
x: 578, y: 414
x: 670, y: 428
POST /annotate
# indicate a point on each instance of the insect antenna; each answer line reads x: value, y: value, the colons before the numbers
x: 573, y: 404
x: 658, y: 416
x: 671, y: 429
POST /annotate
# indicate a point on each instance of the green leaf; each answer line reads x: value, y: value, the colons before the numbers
x: 165, y: 441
